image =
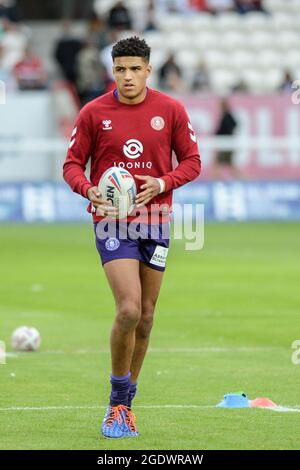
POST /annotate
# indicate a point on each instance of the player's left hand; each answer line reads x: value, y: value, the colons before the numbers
x: 151, y: 188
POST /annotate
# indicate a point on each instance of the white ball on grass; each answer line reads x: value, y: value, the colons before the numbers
x: 26, y: 338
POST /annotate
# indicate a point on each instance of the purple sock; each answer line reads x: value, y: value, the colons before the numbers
x: 119, y: 389
x: 131, y: 394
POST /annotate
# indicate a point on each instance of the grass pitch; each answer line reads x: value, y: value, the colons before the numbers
x: 225, y: 321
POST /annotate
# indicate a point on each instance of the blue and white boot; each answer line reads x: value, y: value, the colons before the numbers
x: 114, y: 425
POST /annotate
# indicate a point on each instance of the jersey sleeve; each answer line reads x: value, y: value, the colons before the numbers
x: 184, y: 144
x: 80, y: 150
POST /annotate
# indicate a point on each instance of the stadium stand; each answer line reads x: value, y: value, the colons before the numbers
x: 254, y: 54
x: 228, y: 45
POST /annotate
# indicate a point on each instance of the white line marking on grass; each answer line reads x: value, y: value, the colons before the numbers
x: 33, y: 314
x: 203, y: 350
x: 174, y: 406
x: 149, y: 407
x: 283, y: 409
x: 50, y: 408
x: 209, y: 349
x: 58, y: 351
x: 95, y: 407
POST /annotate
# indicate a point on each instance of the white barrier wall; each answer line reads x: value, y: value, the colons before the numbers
x: 266, y: 145
x: 27, y: 115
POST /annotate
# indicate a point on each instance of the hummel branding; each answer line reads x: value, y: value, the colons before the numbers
x: 192, y: 133
x: 73, y: 138
x: 107, y: 125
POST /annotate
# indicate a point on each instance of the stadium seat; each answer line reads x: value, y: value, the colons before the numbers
x: 233, y: 40
x: 263, y: 81
x: 188, y: 58
x: 295, y: 72
x: 273, y: 79
x: 275, y: 6
x: 215, y: 58
x: 255, y: 21
x: 288, y: 40
x: 155, y: 39
x: 240, y: 59
x: 283, y: 22
x: 171, y: 22
x: 126, y: 34
x: 133, y: 4
x: 230, y: 44
x: 206, y: 40
x: 253, y: 79
x: 282, y: 6
x: 200, y: 22
x: 261, y: 40
x: 293, y: 7
x: 228, y: 22
x: 101, y: 7
x: 268, y: 58
x: 178, y: 40
x: 13, y: 45
x: 158, y: 57
x: 291, y: 60
x: 153, y: 81
x: 223, y: 80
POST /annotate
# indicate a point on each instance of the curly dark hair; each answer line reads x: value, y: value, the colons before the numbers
x: 131, y: 47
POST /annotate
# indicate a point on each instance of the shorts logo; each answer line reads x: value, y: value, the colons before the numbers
x: 159, y: 257
x: 112, y: 244
x: 157, y: 123
x: 133, y: 148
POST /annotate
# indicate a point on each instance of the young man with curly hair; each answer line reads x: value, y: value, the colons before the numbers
x: 136, y: 128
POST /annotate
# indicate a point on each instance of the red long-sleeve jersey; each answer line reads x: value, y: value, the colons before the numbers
x: 139, y: 138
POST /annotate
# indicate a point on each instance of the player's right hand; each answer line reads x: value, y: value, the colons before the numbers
x: 102, y: 207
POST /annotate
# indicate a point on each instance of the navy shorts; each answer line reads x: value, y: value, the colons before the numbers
x: 146, y: 243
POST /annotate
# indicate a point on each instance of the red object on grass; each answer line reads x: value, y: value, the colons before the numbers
x: 263, y: 402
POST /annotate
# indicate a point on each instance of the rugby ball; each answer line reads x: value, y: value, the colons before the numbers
x: 118, y: 186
